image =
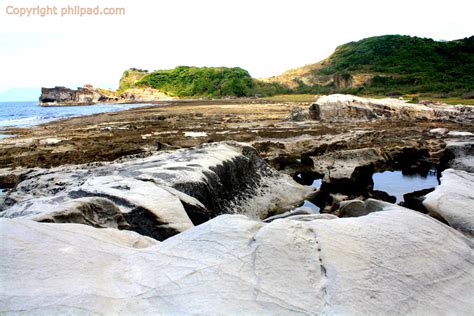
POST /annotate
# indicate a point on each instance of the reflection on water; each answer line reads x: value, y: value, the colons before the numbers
x: 311, y: 206
x: 316, y: 184
x: 393, y: 182
x: 396, y: 183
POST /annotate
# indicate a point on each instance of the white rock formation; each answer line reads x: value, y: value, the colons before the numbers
x: 439, y: 130
x: 343, y: 107
x: 393, y: 262
x: 339, y: 107
x: 162, y: 194
x: 459, y: 134
x: 453, y: 200
x: 195, y: 134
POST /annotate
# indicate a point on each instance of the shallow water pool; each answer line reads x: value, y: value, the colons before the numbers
x: 396, y: 183
x: 316, y: 184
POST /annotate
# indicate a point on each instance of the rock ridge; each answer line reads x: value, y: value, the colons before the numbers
x: 159, y: 195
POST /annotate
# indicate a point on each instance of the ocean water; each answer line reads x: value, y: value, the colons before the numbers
x: 26, y: 114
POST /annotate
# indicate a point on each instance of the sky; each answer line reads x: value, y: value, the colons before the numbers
x: 265, y: 37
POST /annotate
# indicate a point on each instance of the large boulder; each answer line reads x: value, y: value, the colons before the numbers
x: 163, y: 194
x: 391, y: 262
x: 344, y: 107
x: 452, y: 201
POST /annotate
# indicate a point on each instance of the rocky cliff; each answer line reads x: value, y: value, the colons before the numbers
x: 88, y: 95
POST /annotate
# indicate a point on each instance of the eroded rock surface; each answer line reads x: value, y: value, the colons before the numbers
x: 453, y: 200
x: 93, y: 211
x: 162, y: 194
x: 389, y: 262
x: 342, y: 107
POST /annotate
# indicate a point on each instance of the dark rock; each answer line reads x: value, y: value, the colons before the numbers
x: 8, y: 181
x: 146, y: 223
x: 357, y: 208
x: 382, y: 196
x: 306, y: 178
x: 315, y: 112
x: 414, y: 200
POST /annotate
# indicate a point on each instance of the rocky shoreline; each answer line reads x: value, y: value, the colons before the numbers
x: 177, y: 206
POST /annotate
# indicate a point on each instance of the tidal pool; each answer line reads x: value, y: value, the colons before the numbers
x: 396, y: 183
x: 316, y: 184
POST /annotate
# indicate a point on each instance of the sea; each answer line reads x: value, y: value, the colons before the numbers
x: 26, y: 114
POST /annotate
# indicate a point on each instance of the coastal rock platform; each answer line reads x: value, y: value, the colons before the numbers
x: 391, y: 262
x: 197, y: 208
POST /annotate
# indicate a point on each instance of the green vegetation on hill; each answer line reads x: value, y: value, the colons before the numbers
x: 130, y: 77
x: 186, y: 81
x: 383, y: 65
x: 391, y: 64
x: 403, y: 55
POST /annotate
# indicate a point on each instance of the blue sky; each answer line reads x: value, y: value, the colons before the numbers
x: 265, y: 37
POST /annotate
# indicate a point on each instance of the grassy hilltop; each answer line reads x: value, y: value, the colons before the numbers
x: 187, y: 81
x: 390, y: 64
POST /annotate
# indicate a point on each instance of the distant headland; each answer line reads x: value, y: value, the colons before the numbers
x: 391, y: 65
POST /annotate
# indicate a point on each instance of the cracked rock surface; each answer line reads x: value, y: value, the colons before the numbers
x: 391, y: 262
